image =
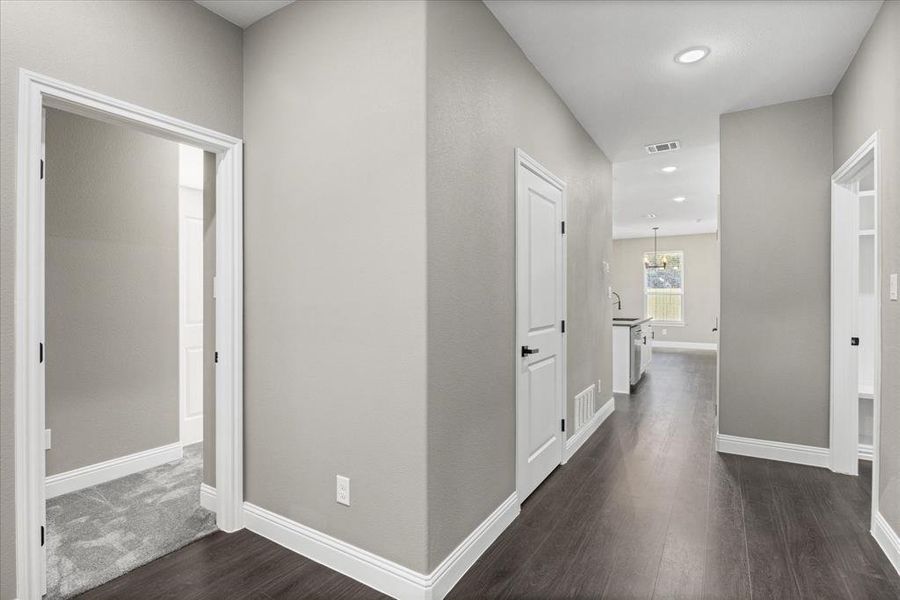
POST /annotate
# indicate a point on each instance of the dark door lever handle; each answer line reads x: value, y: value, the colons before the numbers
x: 854, y: 341
x: 526, y: 350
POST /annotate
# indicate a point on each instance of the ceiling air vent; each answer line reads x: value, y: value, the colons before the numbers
x: 663, y: 147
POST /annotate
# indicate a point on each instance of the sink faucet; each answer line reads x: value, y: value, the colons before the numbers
x: 618, y: 301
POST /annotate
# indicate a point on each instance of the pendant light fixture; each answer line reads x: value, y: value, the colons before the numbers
x: 655, y: 263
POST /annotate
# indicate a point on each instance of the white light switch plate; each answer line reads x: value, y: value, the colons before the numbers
x: 609, y: 292
x: 343, y: 490
x: 893, y: 287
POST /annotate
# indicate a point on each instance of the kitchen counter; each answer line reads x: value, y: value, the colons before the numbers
x: 630, y: 322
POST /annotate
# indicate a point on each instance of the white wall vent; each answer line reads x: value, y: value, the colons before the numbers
x: 584, y: 407
x: 663, y: 147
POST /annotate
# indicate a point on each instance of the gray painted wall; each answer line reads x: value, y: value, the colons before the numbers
x: 484, y: 100
x: 335, y: 298
x: 136, y: 51
x: 868, y: 99
x: 111, y: 289
x: 775, y: 227
x: 209, y: 318
x: 701, y: 283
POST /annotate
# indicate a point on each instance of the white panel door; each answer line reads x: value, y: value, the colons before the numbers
x: 191, y: 313
x: 540, y: 310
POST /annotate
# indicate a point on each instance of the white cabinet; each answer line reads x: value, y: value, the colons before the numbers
x: 632, y: 352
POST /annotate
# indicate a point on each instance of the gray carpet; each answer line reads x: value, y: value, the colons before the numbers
x: 96, y: 534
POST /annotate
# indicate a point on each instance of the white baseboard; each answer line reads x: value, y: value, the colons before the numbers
x: 686, y: 345
x: 888, y: 539
x: 866, y: 452
x: 793, y: 453
x: 452, y: 568
x: 576, y: 441
x: 374, y: 571
x: 78, y: 479
x: 208, y: 497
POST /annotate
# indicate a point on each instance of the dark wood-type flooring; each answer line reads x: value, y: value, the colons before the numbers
x: 646, y: 509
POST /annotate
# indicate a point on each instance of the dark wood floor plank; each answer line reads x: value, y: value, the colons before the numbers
x: 840, y: 506
x: 771, y: 571
x: 726, y: 573
x: 814, y: 565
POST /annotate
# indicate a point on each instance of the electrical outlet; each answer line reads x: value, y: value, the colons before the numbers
x: 893, y: 287
x: 599, y: 385
x: 606, y: 266
x: 665, y: 331
x: 343, y: 490
x: 46, y: 439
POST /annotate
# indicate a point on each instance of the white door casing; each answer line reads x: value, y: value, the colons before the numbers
x: 540, y: 312
x: 190, y: 301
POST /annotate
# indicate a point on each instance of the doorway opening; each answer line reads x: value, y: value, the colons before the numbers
x: 855, y: 314
x: 34, y: 348
x: 123, y: 351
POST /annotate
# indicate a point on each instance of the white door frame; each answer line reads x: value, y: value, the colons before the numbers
x: 523, y: 160
x: 844, y: 416
x: 36, y: 92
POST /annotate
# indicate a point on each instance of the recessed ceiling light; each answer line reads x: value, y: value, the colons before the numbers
x: 692, y: 55
x: 669, y: 169
x: 650, y: 215
x: 678, y: 199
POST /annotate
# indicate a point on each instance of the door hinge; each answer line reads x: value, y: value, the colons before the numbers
x: 854, y: 341
x: 42, y: 535
x: 40, y: 352
x: 217, y: 356
x: 563, y: 325
x: 42, y: 168
x: 563, y: 228
x: 563, y: 424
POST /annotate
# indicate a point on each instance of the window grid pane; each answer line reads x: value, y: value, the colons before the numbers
x: 664, y: 306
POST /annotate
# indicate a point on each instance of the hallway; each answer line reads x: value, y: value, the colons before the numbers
x: 648, y: 509
x: 645, y: 509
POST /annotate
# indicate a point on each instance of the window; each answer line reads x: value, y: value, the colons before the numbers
x: 664, y: 288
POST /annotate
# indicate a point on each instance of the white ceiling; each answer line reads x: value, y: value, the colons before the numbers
x: 243, y: 13
x: 612, y: 63
x: 648, y: 190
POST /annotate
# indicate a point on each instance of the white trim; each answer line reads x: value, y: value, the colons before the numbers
x: 866, y: 452
x: 375, y: 571
x: 208, y: 497
x: 78, y: 479
x: 812, y: 456
x: 686, y: 345
x: 450, y: 571
x: 36, y: 92
x: 576, y: 441
x: 887, y: 538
